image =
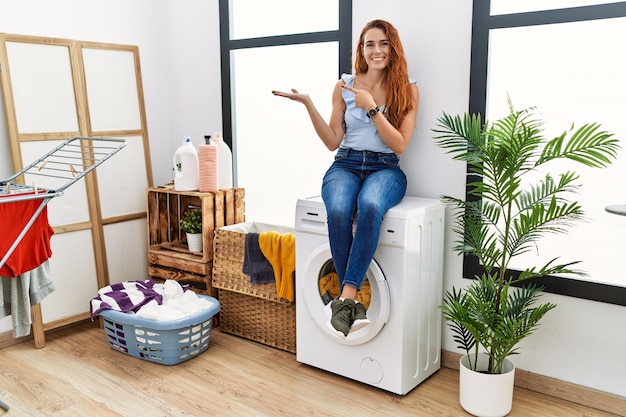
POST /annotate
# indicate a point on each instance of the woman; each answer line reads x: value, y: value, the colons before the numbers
x: 372, y: 121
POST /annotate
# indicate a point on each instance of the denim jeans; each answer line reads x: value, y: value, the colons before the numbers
x: 360, y: 186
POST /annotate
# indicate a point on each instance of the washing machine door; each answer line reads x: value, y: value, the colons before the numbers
x: 315, y: 267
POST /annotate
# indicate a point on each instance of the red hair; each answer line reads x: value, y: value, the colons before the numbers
x: 398, y: 85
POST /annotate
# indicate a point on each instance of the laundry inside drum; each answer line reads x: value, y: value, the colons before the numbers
x: 329, y: 285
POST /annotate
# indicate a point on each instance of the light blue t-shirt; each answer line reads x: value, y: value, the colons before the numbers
x: 360, y: 133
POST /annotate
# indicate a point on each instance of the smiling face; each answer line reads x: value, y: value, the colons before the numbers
x: 379, y: 48
x: 376, y: 49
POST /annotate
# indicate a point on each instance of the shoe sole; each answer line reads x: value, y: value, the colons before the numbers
x: 358, y: 325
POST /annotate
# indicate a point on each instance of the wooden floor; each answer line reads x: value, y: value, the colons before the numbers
x: 77, y: 374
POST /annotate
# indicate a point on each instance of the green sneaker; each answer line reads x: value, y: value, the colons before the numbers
x: 359, y: 317
x: 340, y: 313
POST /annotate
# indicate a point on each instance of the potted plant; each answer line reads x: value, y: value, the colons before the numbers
x: 505, y: 215
x: 191, y: 224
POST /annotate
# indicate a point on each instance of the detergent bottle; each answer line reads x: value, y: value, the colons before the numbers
x: 186, y: 167
x: 208, y: 164
x: 224, y: 162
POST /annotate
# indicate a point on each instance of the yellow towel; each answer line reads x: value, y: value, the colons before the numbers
x: 330, y: 283
x: 280, y: 250
x: 365, y: 294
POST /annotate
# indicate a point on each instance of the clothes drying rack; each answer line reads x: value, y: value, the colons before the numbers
x: 69, y: 162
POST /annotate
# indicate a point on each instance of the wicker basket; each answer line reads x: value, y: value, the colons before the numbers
x: 252, y: 311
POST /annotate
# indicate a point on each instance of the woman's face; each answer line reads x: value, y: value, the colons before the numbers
x: 376, y: 49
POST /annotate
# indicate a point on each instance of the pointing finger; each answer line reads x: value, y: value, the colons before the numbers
x: 351, y: 89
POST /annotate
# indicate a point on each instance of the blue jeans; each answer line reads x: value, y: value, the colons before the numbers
x: 363, y: 186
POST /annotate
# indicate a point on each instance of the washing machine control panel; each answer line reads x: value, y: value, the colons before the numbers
x: 392, y: 232
x: 311, y: 218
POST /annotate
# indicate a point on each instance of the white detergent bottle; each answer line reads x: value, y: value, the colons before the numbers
x: 224, y: 162
x: 186, y: 167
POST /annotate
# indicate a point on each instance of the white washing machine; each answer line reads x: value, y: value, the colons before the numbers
x: 401, y: 346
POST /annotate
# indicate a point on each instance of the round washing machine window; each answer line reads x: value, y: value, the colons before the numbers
x: 320, y: 286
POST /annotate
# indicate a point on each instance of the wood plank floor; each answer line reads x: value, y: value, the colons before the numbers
x: 77, y: 374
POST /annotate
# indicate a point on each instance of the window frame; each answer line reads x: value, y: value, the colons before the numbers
x: 343, y: 35
x: 482, y: 23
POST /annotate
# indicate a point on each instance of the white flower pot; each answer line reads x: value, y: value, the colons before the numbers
x: 194, y: 241
x: 486, y: 395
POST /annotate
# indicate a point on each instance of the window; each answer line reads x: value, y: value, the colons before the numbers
x: 278, y: 157
x: 508, y: 7
x: 563, y: 61
x: 286, y: 17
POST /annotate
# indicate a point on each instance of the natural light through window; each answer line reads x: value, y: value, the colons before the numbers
x: 256, y: 19
x: 572, y: 74
x: 508, y: 6
x: 279, y: 156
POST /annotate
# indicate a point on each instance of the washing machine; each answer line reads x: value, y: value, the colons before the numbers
x: 401, y: 346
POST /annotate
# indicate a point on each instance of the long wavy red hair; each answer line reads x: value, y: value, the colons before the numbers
x: 398, y: 86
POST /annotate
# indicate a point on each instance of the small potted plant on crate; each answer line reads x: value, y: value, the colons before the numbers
x: 506, y: 215
x: 191, y: 224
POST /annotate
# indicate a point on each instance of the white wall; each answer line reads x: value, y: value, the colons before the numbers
x: 192, y: 59
x: 580, y: 341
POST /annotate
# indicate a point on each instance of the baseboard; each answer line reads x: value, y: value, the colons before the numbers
x: 7, y: 339
x: 578, y: 394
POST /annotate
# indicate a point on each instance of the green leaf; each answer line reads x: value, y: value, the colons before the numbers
x: 588, y: 145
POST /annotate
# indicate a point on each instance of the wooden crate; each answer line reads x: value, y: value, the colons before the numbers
x: 168, y: 255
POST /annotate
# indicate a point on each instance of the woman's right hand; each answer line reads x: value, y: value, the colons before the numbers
x: 294, y: 95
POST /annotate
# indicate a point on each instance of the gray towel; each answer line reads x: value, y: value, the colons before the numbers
x: 255, y: 264
x: 20, y: 293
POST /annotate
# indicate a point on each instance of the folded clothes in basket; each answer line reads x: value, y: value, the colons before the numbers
x: 255, y: 264
x: 149, y: 299
x: 280, y: 251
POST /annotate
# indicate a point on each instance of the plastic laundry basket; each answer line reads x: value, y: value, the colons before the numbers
x: 168, y: 342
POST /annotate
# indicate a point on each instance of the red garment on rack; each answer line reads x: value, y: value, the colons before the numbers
x: 34, y: 248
